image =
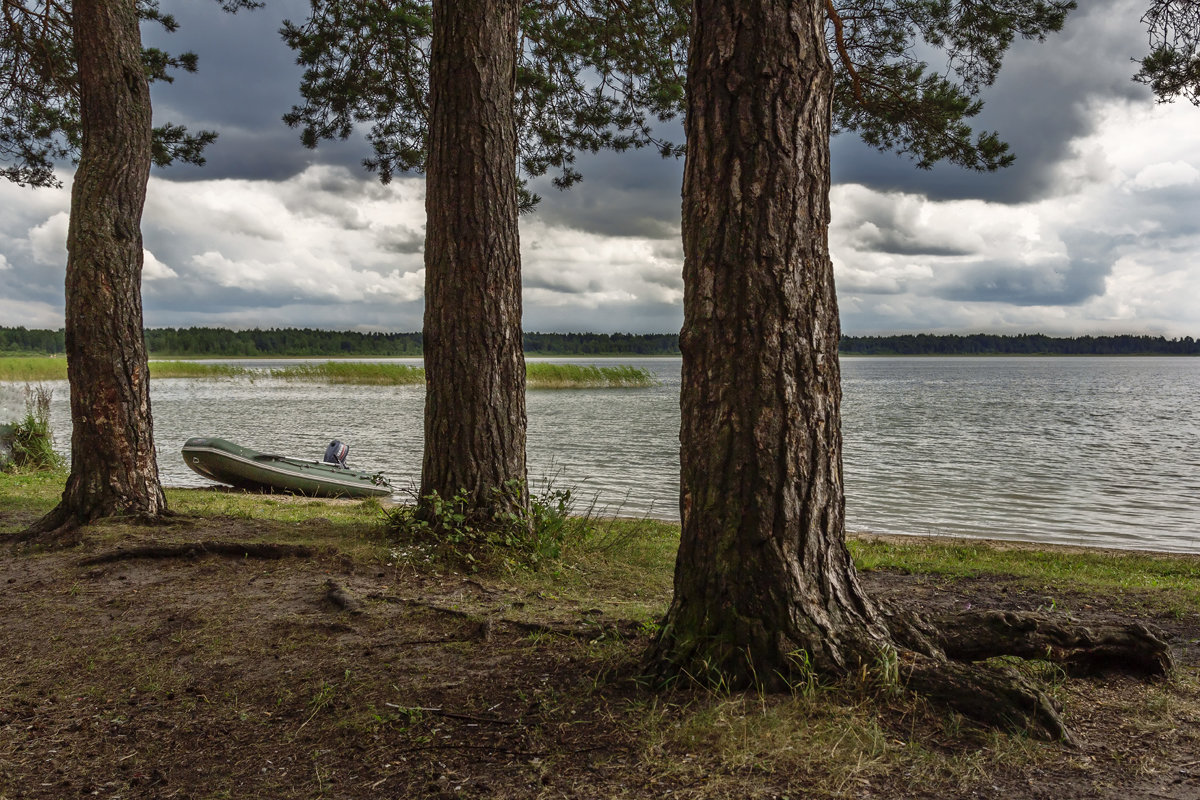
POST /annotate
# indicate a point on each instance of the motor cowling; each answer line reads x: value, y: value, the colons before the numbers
x: 336, y: 453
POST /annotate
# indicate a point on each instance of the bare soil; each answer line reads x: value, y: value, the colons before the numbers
x: 206, y: 675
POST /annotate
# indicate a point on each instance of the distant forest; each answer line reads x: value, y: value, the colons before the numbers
x: 223, y: 343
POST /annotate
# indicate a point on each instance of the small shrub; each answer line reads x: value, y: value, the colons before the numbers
x: 512, y: 531
x: 29, y: 439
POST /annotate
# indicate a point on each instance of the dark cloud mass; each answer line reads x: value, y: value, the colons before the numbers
x: 635, y: 193
x: 1038, y: 105
x: 247, y: 80
x: 1071, y: 284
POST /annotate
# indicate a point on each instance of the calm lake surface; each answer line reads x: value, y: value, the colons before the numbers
x: 1088, y: 451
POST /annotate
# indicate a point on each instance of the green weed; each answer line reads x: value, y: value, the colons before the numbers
x: 27, y: 445
x: 361, y: 373
x: 512, y: 531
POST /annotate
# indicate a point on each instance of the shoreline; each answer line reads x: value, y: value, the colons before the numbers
x: 1017, y: 545
x: 907, y: 539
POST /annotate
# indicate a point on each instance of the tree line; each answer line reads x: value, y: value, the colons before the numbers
x: 1025, y: 344
x: 286, y: 342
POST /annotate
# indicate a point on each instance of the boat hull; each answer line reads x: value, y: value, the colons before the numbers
x: 232, y: 464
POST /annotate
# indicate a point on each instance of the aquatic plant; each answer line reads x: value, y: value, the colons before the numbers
x: 540, y: 375
x: 195, y: 369
x: 25, y: 369
x: 353, y: 372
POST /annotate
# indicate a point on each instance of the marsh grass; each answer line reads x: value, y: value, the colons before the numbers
x: 191, y: 369
x: 540, y: 375
x: 31, y: 369
x: 44, y: 368
x: 363, y: 373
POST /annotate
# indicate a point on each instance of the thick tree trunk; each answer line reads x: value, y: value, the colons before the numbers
x: 763, y: 573
x: 764, y: 586
x: 474, y: 364
x: 113, y: 466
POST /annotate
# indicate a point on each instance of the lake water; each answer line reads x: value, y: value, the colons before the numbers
x: 1089, y: 451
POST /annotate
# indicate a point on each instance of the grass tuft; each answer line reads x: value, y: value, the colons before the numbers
x: 27, y: 446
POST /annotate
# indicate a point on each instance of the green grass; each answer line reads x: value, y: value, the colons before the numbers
x: 540, y: 375
x: 32, y: 368
x: 353, y: 372
x: 190, y: 369
x: 363, y: 373
x: 45, y: 368
x: 32, y: 493
x: 1096, y: 571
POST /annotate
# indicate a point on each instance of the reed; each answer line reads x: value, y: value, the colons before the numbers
x: 364, y: 373
x: 539, y: 375
x: 578, y: 376
x: 191, y: 369
x: 30, y: 369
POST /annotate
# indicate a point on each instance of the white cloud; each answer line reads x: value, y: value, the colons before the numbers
x: 1115, y: 249
x: 155, y: 270
x: 1166, y: 174
x: 49, y: 240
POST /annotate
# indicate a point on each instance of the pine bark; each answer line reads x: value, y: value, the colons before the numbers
x: 765, y: 590
x: 114, y: 470
x: 474, y: 365
x: 763, y: 572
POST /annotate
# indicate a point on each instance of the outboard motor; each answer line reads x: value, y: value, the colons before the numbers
x: 336, y: 453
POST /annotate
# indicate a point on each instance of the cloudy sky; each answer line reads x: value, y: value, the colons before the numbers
x: 1095, y: 229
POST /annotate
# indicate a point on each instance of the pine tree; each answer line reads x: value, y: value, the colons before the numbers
x: 765, y: 590
x: 76, y: 80
x: 1172, y: 69
x: 448, y: 93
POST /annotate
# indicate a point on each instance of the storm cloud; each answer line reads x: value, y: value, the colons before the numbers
x: 1094, y: 229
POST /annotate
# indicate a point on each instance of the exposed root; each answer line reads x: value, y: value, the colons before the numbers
x: 941, y: 660
x: 997, y: 696
x: 198, y: 549
x: 62, y: 528
x: 587, y: 631
x: 58, y: 528
x: 1132, y: 648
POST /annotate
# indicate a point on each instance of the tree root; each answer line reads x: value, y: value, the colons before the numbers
x: 198, y: 549
x: 1133, y: 648
x: 58, y: 528
x: 939, y: 658
x: 62, y: 528
x: 997, y: 696
x: 1000, y: 695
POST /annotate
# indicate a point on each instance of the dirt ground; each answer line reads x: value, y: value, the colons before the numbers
x: 312, y: 675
